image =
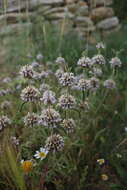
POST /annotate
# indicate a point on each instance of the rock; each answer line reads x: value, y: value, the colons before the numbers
x: 108, y: 23
x: 73, y: 8
x: 61, y: 15
x: 97, y: 3
x: 69, y: 1
x: 11, y: 18
x: 45, y: 2
x: 55, y: 10
x: 83, y: 10
x: 111, y: 31
x: 14, y: 28
x: 101, y: 13
x: 16, y: 6
x: 84, y: 21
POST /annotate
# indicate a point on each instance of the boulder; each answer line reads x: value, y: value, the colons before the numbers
x: 101, y: 13
x: 108, y: 23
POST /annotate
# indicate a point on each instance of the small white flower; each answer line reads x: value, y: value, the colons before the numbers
x: 41, y: 154
x: 98, y: 60
x: 39, y: 57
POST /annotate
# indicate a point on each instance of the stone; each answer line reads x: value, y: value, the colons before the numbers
x: 11, y: 18
x: 108, y: 23
x: 55, y: 10
x: 69, y: 1
x: 101, y: 13
x: 61, y: 15
x: 73, y: 8
x: 97, y: 3
x: 83, y: 10
x: 45, y: 2
x: 111, y: 31
x: 84, y: 21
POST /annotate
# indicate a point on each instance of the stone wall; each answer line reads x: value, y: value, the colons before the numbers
x: 82, y: 16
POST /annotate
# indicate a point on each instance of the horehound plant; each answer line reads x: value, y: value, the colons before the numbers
x: 59, y: 121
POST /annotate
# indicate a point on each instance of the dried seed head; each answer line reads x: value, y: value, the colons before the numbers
x: 67, y: 101
x: 50, y: 118
x: 30, y: 94
x: 54, y: 143
x: 31, y: 119
x: 69, y: 125
x: 48, y: 97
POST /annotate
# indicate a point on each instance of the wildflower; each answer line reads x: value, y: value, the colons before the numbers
x: 85, y: 62
x: 41, y: 154
x: 94, y: 84
x: 4, y: 121
x: 100, y: 45
x: 30, y: 94
x: 68, y: 125
x: 5, y: 105
x: 109, y: 84
x: 48, y: 97
x: 27, y: 165
x: 104, y: 177
x: 60, y: 60
x: 67, y: 101
x: 67, y: 79
x: 115, y: 62
x: 54, y: 143
x: 59, y: 73
x: 7, y: 80
x: 97, y: 72
x: 40, y: 76
x: 44, y: 87
x: 98, y: 60
x: 3, y: 92
x: 35, y: 64
x: 83, y: 84
x: 27, y: 71
x: 39, y: 57
x: 14, y: 140
x: 101, y: 161
x: 50, y: 118
x: 31, y: 119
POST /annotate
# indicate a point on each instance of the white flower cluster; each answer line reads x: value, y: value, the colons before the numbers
x: 4, y: 121
x: 30, y: 94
